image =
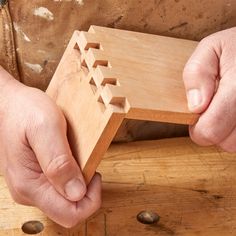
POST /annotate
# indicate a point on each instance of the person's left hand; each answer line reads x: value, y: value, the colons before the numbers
x: 210, y: 82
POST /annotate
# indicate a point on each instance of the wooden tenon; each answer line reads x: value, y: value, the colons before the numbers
x: 107, y: 75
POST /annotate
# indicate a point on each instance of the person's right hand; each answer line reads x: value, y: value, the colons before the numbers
x: 35, y: 157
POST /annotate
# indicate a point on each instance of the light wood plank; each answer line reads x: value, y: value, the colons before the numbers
x: 107, y: 75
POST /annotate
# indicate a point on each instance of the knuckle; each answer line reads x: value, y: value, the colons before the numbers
x: 21, y: 188
x: 47, y: 116
x: 37, y: 123
x: 207, y: 40
x: 45, y: 120
x: 193, y: 68
x: 18, y: 199
x: 41, y: 118
x: 57, y: 165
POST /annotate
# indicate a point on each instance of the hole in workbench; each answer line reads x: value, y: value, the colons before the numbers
x: 148, y: 217
x: 32, y: 227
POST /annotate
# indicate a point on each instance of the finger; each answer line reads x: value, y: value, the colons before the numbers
x: 92, y: 200
x: 47, y: 137
x: 16, y: 189
x: 65, y: 212
x: 216, y: 124
x: 200, y: 75
x: 229, y: 144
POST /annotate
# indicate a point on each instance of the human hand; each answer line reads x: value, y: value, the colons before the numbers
x: 35, y: 157
x: 210, y: 82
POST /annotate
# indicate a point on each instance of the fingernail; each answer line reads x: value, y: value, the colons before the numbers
x: 194, y: 98
x: 74, y: 189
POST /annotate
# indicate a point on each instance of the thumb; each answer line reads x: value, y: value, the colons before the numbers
x: 49, y: 143
x: 200, y: 75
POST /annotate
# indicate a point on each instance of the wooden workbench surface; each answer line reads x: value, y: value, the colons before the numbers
x: 192, y: 189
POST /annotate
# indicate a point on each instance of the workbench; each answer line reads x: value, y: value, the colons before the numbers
x: 191, y: 188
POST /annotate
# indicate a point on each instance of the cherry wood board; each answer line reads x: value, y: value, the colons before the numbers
x: 107, y: 75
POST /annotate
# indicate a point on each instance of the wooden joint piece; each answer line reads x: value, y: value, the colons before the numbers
x: 108, y: 81
x: 112, y: 81
x: 104, y: 75
x: 93, y: 85
x: 91, y: 49
x: 113, y: 95
x: 88, y: 40
x: 94, y: 57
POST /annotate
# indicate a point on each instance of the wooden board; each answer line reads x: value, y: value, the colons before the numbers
x: 192, y: 189
x: 107, y: 75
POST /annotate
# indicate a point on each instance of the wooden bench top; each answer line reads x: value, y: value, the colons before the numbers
x: 191, y: 188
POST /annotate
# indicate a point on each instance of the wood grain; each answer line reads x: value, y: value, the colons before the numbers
x: 192, y: 189
x: 108, y: 75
